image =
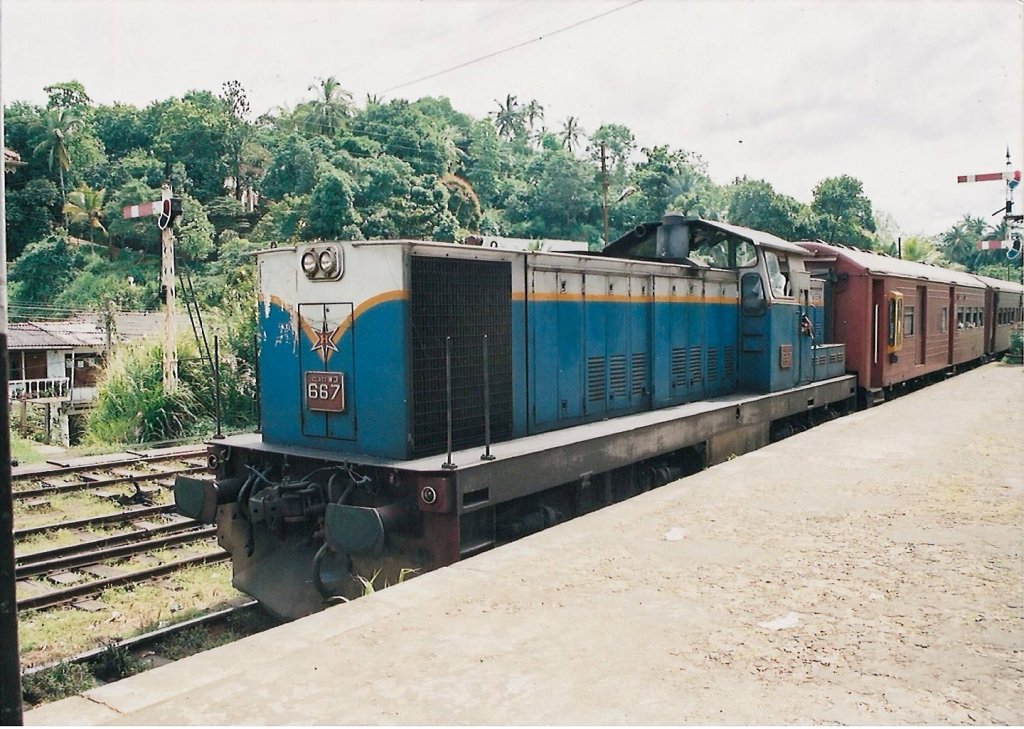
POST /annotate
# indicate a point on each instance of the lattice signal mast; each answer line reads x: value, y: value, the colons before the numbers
x: 1014, y: 229
x: 166, y: 210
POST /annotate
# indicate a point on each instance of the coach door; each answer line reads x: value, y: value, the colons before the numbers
x: 326, y: 361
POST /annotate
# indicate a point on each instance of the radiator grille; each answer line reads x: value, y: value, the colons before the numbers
x: 696, y: 374
x: 712, y: 364
x: 595, y: 379
x: 617, y: 375
x: 678, y: 367
x: 638, y: 375
x: 463, y: 300
x: 730, y: 361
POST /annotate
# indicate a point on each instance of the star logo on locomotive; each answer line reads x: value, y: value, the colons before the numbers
x: 324, y: 344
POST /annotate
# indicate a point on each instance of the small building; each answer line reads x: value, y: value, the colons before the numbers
x: 12, y: 160
x: 54, y: 365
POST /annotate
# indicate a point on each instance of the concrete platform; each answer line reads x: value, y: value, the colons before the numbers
x: 866, y: 572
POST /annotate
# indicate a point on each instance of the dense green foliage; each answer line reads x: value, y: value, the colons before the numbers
x: 133, y: 408
x: 330, y: 168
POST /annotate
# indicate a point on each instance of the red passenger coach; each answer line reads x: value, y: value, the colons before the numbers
x: 1003, y: 300
x: 900, y: 320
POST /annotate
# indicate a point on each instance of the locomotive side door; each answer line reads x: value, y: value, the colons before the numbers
x: 326, y: 366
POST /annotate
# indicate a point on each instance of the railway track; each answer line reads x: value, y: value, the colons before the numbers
x: 121, y: 553
x: 153, y: 637
x: 133, y: 468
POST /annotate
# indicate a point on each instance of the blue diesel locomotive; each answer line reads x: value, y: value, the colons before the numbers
x: 422, y: 402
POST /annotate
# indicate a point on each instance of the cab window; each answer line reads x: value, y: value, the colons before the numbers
x: 778, y: 274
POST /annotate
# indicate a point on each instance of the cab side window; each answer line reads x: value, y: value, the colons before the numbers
x: 778, y: 274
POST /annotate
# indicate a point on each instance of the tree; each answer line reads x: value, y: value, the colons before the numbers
x: 508, y: 119
x: 915, y: 248
x: 43, y: 270
x: 755, y: 204
x: 959, y: 244
x: 619, y: 143
x: 30, y: 214
x: 327, y: 112
x: 122, y: 130
x: 53, y: 130
x: 293, y: 171
x: 193, y: 131
x: 332, y: 214
x: 571, y: 133
x: 403, y: 130
x: 560, y: 200
x: 844, y: 212
x: 85, y: 208
x: 238, y: 132
x: 66, y: 95
x: 194, y: 235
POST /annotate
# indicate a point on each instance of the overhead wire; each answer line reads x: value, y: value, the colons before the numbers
x: 513, y: 47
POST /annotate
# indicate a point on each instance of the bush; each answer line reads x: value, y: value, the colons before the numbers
x: 1016, y: 353
x: 61, y: 681
x: 133, y: 408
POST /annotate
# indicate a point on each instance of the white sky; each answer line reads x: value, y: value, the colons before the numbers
x: 902, y: 94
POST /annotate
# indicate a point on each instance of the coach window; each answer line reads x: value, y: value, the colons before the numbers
x: 908, y: 321
x: 778, y: 274
x: 895, y: 339
x: 959, y: 317
x: 944, y: 320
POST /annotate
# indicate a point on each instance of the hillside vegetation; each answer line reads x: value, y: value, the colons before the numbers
x: 331, y: 168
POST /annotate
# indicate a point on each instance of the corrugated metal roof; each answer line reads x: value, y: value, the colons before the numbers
x: 1000, y: 285
x: 87, y: 332
x: 888, y: 266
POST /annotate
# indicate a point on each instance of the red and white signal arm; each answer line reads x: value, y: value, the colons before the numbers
x: 165, y: 213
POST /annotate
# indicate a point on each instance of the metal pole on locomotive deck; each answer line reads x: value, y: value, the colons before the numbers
x: 10, y: 661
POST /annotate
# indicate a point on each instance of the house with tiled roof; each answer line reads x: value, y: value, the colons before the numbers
x: 55, y: 364
x: 12, y: 160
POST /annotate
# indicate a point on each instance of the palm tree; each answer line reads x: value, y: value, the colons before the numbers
x: 919, y: 249
x: 85, y: 207
x: 960, y: 243
x: 509, y: 117
x: 571, y: 133
x: 533, y: 113
x: 54, y: 127
x: 330, y: 108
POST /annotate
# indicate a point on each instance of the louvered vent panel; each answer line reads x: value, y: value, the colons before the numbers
x: 617, y: 375
x: 712, y: 364
x: 678, y: 367
x: 696, y: 372
x: 730, y: 362
x: 595, y: 379
x: 638, y: 375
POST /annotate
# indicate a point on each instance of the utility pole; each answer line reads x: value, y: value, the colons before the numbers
x: 166, y: 209
x: 167, y: 286
x: 604, y: 193
x: 10, y: 660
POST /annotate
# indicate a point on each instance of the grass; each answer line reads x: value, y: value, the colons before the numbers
x: 25, y: 451
x: 50, y: 635
x: 53, y: 684
x: 66, y: 506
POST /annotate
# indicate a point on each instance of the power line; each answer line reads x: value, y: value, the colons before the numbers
x: 563, y: 29
x: 421, y: 41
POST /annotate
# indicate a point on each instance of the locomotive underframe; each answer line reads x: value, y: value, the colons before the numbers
x: 286, y: 536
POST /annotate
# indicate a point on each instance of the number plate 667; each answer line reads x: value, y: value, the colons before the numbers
x: 325, y: 391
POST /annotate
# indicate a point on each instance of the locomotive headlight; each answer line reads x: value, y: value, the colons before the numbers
x: 309, y: 263
x: 323, y: 262
x: 327, y: 263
